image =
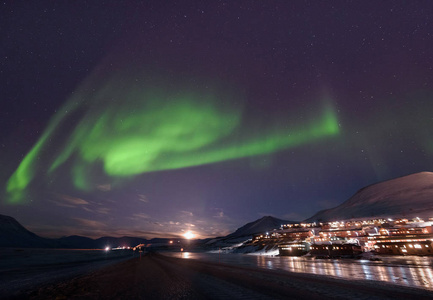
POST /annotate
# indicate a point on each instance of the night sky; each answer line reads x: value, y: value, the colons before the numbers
x: 155, y: 118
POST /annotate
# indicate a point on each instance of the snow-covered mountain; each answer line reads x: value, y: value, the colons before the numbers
x: 409, y: 196
x: 261, y: 225
x: 245, y: 233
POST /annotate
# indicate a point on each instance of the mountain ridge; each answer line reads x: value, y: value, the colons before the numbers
x: 19, y: 236
x: 13, y: 234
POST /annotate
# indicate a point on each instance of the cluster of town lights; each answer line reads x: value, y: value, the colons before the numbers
x: 386, y: 236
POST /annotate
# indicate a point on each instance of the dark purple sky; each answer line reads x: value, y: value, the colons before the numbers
x: 151, y: 119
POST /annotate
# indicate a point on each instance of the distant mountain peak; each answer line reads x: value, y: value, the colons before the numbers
x: 261, y: 225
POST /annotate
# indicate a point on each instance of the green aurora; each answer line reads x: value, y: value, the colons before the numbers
x: 130, y: 129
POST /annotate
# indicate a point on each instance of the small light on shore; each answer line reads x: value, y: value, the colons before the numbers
x: 107, y: 248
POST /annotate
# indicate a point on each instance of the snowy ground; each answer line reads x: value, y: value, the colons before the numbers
x: 96, y: 274
x: 161, y: 277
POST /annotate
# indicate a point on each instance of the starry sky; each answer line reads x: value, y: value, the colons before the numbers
x: 155, y: 118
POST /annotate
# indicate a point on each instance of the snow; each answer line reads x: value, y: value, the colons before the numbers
x: 405, y: 197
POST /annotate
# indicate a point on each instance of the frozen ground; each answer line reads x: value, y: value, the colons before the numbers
x: 96, y: 274
x: 162, y: 277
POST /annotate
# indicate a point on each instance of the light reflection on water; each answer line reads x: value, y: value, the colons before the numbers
x: 407, y: 271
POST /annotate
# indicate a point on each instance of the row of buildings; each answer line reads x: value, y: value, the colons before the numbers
x: 383, y: 236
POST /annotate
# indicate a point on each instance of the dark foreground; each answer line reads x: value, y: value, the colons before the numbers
x: 159, y: 277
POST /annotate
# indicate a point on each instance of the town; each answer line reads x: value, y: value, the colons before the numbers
x: 351, y: 238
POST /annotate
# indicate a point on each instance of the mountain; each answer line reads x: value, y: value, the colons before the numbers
x: 77, y: 242
x: 13, y: 234
x: 245, y: 232
x: 407, y: 197
x: 261, y: 225
x: 124, y: 241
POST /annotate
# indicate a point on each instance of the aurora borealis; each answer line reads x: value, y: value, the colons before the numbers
x: 153, y: 120
x: 138, y: 131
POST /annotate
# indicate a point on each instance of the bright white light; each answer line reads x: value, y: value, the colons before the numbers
x: 189, y: 235
x: 107, y: 248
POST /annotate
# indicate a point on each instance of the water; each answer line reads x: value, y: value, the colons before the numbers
x: 26, y: 269
x: 24, y: 258
x: 400, y: 270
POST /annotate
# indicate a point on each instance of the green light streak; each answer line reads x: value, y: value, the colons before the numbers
x: 130, y: 130
x: 80, y: 178
x: 21, y: 178
x: 327, y: 125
